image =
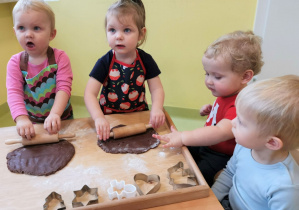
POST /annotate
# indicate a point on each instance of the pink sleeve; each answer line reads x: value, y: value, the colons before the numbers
x: 64, y: 73
x: 14, y: 86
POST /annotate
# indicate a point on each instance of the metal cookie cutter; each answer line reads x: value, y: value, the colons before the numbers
x: 79, y: 193
x: 52, y: 196
x: 128, y: 191
x: 147, y: 179
x: 191, y: 180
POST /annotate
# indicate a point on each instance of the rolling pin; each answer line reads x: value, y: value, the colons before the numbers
x: 40, y: 139
x: 129, y: 130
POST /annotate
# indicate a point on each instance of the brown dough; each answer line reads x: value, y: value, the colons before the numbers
x: 40, y: 160
x: 133, y: 144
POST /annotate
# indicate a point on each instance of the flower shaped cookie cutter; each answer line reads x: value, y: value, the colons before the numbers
x: 128, y: 191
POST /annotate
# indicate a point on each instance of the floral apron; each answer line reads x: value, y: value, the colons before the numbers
x: 40, y: 90
x: 124, y: 89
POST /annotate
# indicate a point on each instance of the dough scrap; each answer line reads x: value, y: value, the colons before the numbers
x: 133, y: 144
x: 40, y: 160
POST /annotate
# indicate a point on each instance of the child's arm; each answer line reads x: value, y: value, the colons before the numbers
x: 92, y: 104
x: 288, y: 193
x: 224, y: 182
x: 15, y: 98
x: 53, y: 122
x: 64, y: 78
x: 205, y: 136
x: 157, y: 116
x: 205, y: 110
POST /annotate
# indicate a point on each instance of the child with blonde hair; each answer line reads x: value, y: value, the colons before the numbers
x: 38, y: 79
x: 262, y: 173
x: 122, y: 72
x: 229, y: 63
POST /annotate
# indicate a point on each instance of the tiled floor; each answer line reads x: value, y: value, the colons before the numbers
x: 184, y: 119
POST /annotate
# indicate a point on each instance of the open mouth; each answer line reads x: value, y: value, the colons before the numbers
x: 120, y: 46
x: 30, y: 44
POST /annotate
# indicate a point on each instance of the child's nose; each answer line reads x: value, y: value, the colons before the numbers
x: 119, y: 36
x: 29, y: 33
x: 208, y: 80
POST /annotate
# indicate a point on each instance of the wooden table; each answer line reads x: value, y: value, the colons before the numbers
x: 93, y: 167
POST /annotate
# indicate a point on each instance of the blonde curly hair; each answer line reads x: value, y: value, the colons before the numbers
x: 241, y: 49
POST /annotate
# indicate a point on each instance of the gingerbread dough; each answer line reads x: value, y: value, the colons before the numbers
x: 40, y: 160
x: 133, y: 144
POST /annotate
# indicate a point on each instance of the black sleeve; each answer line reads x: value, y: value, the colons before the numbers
x: 151, y: 67
x: 101, y: 68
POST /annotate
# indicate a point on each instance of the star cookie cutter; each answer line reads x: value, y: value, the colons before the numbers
x: 53, y: 195
x: 191, y: 179
x: 80, y: 193
x: 128, y: 191
x: 147, y: 179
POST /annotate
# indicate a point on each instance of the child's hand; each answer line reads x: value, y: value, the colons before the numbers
x: 173, y: 139
x: 25, y: 127
x: 52, y: 123
x: 205, y: 110
x: 103, y: 128
x: 157, y: 118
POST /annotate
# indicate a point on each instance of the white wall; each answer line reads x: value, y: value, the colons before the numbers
x: 277, y: 22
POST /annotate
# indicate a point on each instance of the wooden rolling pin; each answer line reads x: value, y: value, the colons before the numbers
x: 129, y: 130
x: 40, y: 139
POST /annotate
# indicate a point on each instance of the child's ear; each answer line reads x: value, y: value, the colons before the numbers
x: 274, y: 143
x: 142, y: 34
x: 247, y: 76
x: 53, y: 34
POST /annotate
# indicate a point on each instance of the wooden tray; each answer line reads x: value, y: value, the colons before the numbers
x: 93, y: 167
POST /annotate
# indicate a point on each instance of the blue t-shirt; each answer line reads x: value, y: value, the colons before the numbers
x: 252, y: 185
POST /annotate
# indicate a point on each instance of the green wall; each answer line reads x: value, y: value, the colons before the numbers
x: 178, y: 33
x: 8, y: 45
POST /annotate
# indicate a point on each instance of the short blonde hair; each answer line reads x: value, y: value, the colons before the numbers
x: 275, y: 105
x: 241, y: 49
x: 129, y: 7
x: 37, y: 5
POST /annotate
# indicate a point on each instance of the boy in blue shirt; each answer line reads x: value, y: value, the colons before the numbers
x: 262, y: 174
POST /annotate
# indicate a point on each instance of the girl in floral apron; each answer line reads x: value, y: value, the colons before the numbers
x: 38, y: 79
x: 121, y: 73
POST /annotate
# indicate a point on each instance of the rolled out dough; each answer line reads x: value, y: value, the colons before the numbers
x: 133, y: 144
x: 40, y: 160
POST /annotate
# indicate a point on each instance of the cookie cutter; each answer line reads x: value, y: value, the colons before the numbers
x: 80, y: 193
x: 128, y: 191
x: 191, y: 179
x: 147, y: 179
x: 53, y: 195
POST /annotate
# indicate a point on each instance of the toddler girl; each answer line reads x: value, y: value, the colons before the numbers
x: 121, y: 73
x: 39, y: 79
